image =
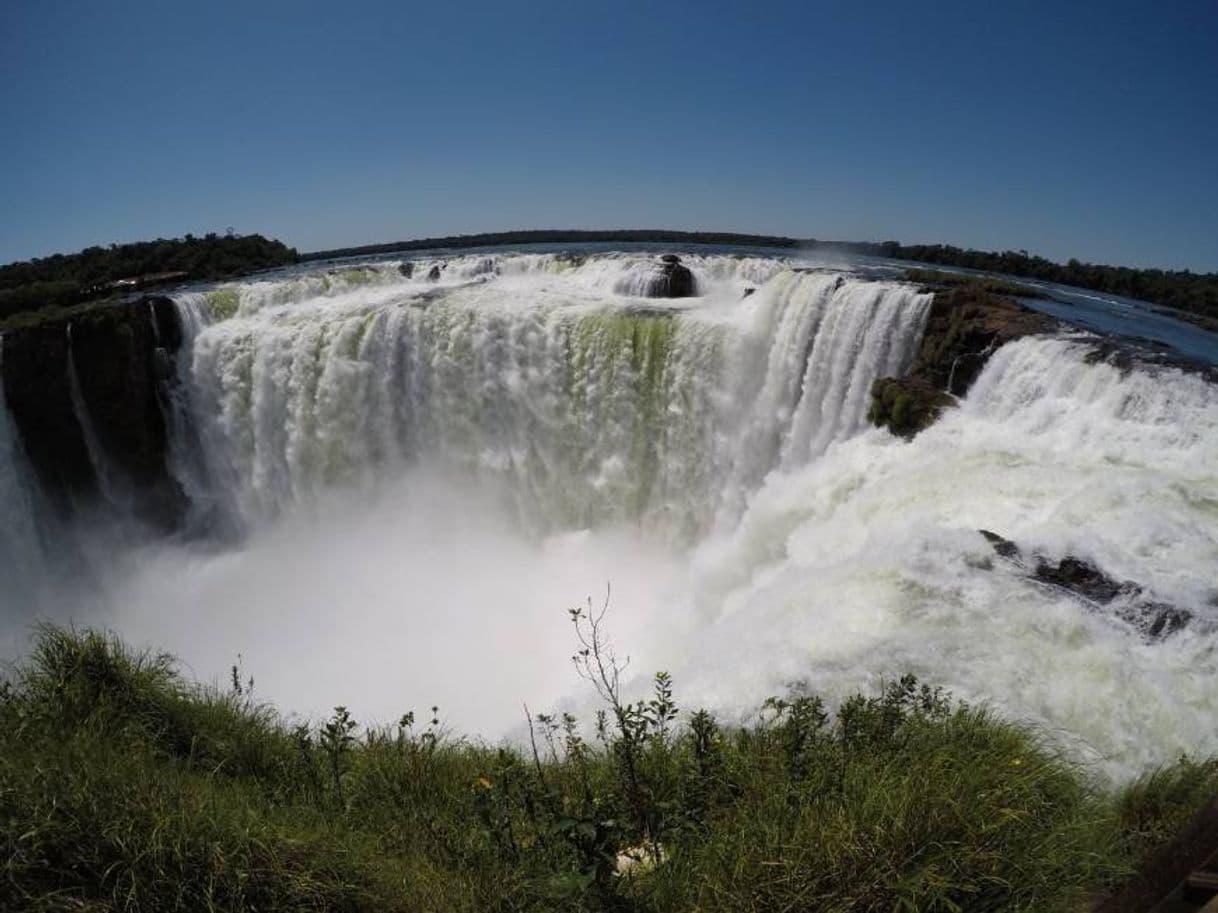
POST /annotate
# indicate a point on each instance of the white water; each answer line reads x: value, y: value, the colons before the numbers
x: 20, y: 552
x: 591, y: 409
x: 429, y: 474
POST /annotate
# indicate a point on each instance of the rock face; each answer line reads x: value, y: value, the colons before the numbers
x: 965, y: 326
x: 1125, y: 599
x: 963, y: 329
x: 672, y: 280
x: 122, y: 358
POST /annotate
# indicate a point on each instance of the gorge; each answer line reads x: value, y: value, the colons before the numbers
x: 384, y: 482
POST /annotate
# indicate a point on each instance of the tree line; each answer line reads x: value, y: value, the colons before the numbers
x: 1196, y: 293
x: 95, y: 272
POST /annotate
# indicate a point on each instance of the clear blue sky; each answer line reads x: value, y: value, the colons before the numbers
x: 1065, y: 128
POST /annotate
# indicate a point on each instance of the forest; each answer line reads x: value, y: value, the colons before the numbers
x: 98, y: 272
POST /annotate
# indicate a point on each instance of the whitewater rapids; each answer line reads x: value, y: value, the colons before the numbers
x: 416, y: 476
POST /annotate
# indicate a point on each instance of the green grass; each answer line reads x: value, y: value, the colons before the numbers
x: 125, y: 787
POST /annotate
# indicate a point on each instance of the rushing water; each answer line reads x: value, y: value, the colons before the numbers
x: 425, y: 470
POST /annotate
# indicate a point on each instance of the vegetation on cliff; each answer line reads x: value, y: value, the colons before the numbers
x: 970, y: 317
x: 123, y: 786
x: 97, y: 272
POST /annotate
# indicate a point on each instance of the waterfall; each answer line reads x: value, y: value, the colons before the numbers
x: 869, y: 559
x: 20, y: 549
x: 109, y: 485
x: 408, y: 451
x: 594, y: 409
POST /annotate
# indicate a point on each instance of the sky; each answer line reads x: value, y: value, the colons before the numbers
x: 1069, y: 129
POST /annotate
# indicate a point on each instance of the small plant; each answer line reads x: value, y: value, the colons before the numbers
x: 336, y: 739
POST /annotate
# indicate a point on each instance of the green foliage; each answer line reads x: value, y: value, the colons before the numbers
x: 1155, y: 806
x: 124, y: 787
x: 64, y: 280
x: 1194, y: 293
x: 905, y: 406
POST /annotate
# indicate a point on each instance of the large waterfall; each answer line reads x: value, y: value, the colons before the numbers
x: 419, y: 465
x: 593, y: 407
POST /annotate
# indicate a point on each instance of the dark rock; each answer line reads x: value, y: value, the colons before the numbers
x: 406, y: 269
x: 672, y: 280
x: 433, y: 275
x: 747, y: 292
x: 906, y: 406
x: 1159, y: 619
x: 966, y: 324
x: 166, y: 325
x: 1083, y: 580
x: 1004, y: 547
x: 122, y: 356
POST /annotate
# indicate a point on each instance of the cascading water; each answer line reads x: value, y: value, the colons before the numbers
x: 431, y: 461
x: 109, y: 485
x: 595, y: 412
x: 20, y: 550
x: 869, y: 560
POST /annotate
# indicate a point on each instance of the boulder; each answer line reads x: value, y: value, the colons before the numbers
x: 406, y: 269
x: 1077, y: 577
x: 433, y: 275
x: 672, y: 280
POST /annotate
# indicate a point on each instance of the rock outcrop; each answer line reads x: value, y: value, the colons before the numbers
x: 672, y: 279
x: 906, y: 405
x: 122, y: 358
x: 1081, y: 579
x: 965, y: 326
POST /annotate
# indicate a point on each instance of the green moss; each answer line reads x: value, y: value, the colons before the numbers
x: 223, y: 303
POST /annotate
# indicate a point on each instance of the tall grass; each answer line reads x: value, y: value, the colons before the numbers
x: 125, y: 787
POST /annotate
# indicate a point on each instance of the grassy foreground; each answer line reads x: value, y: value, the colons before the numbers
x: 125, y: 787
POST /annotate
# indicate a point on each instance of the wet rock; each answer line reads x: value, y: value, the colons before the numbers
x: 122, y: 356
x: 1083, y: 578
x: 672, y: 280
x: 1005, y: 548
x: 965, y: 326
x: 906, y: 406
x: 407, y: 269
x: 1124, y: 599
x: 747, y: 292
x: 433, y: 275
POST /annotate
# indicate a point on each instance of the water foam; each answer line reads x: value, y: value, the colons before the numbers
x: 429, y: 472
